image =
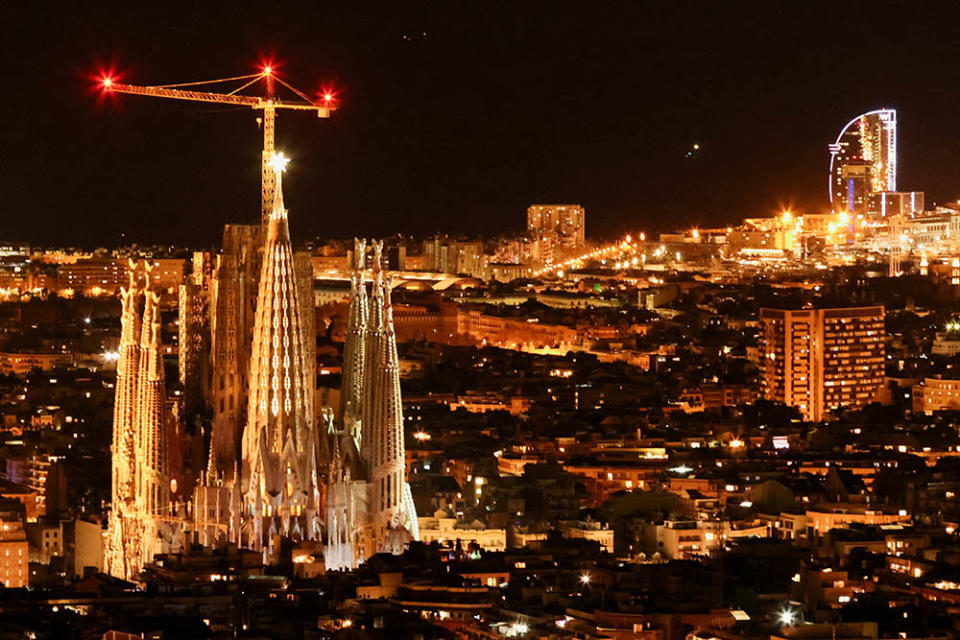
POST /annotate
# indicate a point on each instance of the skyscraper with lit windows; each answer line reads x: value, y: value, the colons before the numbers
x: 819, y: 360
x: 566, y: 223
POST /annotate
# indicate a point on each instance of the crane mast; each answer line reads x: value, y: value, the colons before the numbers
x: 268, y: 105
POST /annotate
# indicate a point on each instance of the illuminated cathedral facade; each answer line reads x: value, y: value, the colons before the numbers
x: 297, y: 476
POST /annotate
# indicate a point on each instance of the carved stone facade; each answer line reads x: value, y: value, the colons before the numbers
x: 143, y: 518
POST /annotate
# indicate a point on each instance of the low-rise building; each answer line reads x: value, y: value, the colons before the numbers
x: 442, y: 527
x: 14, y: 554
x: 936, y: 394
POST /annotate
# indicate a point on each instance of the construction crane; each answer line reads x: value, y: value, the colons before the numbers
x: 267, y: 104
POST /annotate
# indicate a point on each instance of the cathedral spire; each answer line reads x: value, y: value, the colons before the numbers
x: 280, y: 438
x: 369, y: 505
x: 371, y: 339
x: 140, y: 521
x: 153, y: 481
x: 121, y: 552
x: 212, y: 471
x: 354, y: 348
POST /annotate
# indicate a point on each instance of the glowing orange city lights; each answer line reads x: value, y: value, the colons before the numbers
x: 614, y: 248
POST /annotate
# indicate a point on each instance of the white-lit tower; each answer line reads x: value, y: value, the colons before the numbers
x: 279, y: 466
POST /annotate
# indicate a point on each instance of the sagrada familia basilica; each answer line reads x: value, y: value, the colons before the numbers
x: 281, y: 470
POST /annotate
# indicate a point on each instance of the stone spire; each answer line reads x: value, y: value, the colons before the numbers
x: 353, y: 350
x: 121, y: 549
x: 280, y: 494
x: 212, y: 471
x: 125, y: 391
x: 142, y: 522
x: 153, y: 474
x: 371, y: 343
x: 391, y: 504
x: 369, y: 506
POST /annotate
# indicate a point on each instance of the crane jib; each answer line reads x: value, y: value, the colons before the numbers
x: 254, y: 102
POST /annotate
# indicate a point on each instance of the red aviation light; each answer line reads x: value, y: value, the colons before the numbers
x: 105, y: 77
x: 328, y: 96
x: 268, y: 65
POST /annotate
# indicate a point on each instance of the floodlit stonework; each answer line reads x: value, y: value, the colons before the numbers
x: 369, y: 505
x: 143, y: 518
x: 279, y: 475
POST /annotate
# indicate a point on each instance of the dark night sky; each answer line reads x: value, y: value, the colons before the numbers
x: 499, y: 105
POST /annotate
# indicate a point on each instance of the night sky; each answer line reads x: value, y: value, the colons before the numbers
x: 457, y: 115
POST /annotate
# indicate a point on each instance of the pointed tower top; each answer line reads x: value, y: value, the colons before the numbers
x: 387, y: 317
x: 279, y: 164
x: 377, y: 255
x: 132, y: 274
x: 359, y: 253
x: 212, y: 470
x: 375, y: 308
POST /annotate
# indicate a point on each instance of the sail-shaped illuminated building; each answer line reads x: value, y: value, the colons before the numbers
x: 863, y: 160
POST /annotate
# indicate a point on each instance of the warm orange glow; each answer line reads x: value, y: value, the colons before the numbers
x: 267, y: 70
x: 107, y: 83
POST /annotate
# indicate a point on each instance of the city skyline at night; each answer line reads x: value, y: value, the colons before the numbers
x: 561, y: 337
x: 473, y: 119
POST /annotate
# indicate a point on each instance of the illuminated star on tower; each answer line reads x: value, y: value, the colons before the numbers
x: 279, y: 162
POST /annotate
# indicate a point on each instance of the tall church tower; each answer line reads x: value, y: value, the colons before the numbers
x: 122, y: 543
x: 279, y: 473
x: 152, y: 437
x: 142, y: 518
x: 233, y: 295
x: 369, y: 506
x: 351, y: 389
x: 382, y: 446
